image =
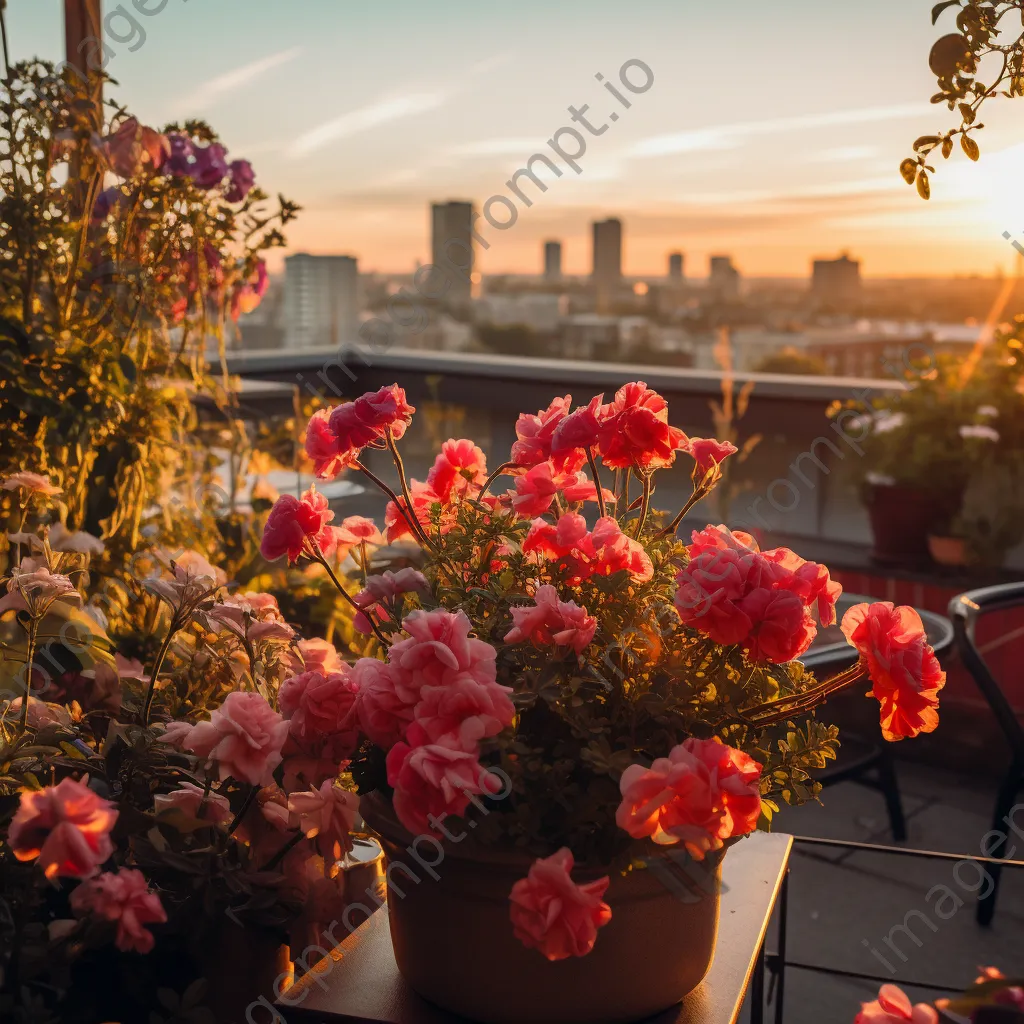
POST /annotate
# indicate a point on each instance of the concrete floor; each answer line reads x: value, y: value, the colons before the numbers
x: 842, y: 904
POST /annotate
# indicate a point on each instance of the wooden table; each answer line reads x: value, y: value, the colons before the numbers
x: 360, y: 984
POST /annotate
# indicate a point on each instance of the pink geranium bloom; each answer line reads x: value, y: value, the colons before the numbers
x: 580, y: 430
x: 460, y: 470
x: 554, y: 915
x: 703, y: 793
x: 535, y: 433
x: 438, y: 651
x: 551, y: 622
x: 360, y: 530
x: 35, y: 590
x: 635, y: 431
x: 188, y: 798
x: 537, y: 489
x: 433, y: 781
x: 893, y: 1007
x: 296, y: 526
x: 33, y: 483
x: 386, y: 588
x: 384, y: 713
x: 244, y: 736
x: 67, y: 827
x: 760, y: 600
x: 581, y: 554
x: 319, y: 656
x: 322, y: 708
x: 124, y: 897
x: 327, y: 814
x: 175, y: 734
x: 906, y: 674
x: 709, y: 453
x: 464, y: 712
x: 322, y: 446
x: 396, y: 516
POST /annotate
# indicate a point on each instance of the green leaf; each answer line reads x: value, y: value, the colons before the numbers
x: 970, y: 147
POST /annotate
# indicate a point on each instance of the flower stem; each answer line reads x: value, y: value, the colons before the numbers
x: 318, y: 556
x: 772, y: 712
x: 244, y: 809
x: 415, y: 526
x: 645, y: 508
x: 400, y: 466
x: 283, y: 852
x: 502, y: 470
x: 597, y: 483
x: 674, y: 525
x: 33, y: 630
x: 157, y: 665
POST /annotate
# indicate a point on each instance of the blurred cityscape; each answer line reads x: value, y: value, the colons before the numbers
x: 836, y: 322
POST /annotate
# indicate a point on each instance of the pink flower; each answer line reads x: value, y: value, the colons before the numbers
x: 551, y: 622
x: 295, y: 525
x: 322, y: 708
x: 32, y: 483
x: 763, y: 601
x: 131, y: 146
x: 462, y: 713
x: 580, y: 554
x: 327, y: 814
x: 439, y: 650
x: 386, y: 588
x: 397, y: 516
x: 892, y: 1007
x: 175, y: 734
x: 244, y: 736
x: 126, y: 898
x: 66, y: 826
x: 319, y: 656
x: 579, y: 430
x: 536, y: 490
x: 242, y: 180
x: 434, y: 780
x: 635, y: 431
x: 188, y: 798
x: 460, y: 470
x: 554, y: 915
x: 535, y: 433
x: 36, y: 589
x: 703, y: 793
x: 322, y: 447
x: 708, y: 453
x: 906, y: 674
x: 383, y: 713
x: 360, y: 530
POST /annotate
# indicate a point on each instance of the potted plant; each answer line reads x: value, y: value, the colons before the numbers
x: 569, y: 700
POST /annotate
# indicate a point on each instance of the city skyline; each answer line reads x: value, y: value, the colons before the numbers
x: 759, y: 166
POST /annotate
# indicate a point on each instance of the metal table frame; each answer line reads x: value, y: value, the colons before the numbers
x: 777, y: 962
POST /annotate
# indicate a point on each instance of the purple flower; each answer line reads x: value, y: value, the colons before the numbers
x: 105, y: 202
x: 181, y: 153
x: 242, y: 180
x: 210, y: 165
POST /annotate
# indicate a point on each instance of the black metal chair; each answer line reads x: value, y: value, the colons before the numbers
x: 965, y: 611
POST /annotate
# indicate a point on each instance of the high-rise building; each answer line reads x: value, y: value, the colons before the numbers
x: 552, y: 260
x: 675, y: 267
x: 321, y: 301
x: 452, y: 249
x: 607, y: 261
x: 836, y: 282
x: 723, y: 278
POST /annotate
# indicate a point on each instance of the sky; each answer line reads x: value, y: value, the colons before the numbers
x: 771, y: 132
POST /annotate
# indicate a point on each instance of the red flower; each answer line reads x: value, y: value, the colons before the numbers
x: 335, y: 441
x: 549, y: 622
x: 707, y: 452
x: 535, y: 432
x: 536, y: 490
x: 635, y: 431
x: 459, y: 470
x: 294, y: 522
x: 762, y: 600
x: 396, y: 516
x: 580, y: 554
x: 554, y: 915
x: 903, y: 667
x: 580, y: 429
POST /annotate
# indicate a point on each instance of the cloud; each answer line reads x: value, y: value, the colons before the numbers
x: 734, y: 135
x: 365, y: 118
x: 209, y: 92
x: 498, y: 147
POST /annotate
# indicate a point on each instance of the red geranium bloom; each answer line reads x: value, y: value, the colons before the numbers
x: 582, y: 554
x: 459, y: 470
x: 635, y: 431
x: 903, y: 667
x: 707, y: 452
x: 580, y: 429
x: 535, y: 432
x: 294, y: 521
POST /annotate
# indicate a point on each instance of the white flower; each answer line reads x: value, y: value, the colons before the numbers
x: 892, y: 421
x: 881, y: 480
x: 980, y: 433
x: 988, y: 410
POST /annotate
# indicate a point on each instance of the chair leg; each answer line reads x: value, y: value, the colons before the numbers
x: 891, y: 790
x: 1004, y: 804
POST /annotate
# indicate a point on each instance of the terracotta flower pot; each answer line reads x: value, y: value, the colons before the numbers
x: 951, y: 551
x: 454, y: 944
x: 901, y: 520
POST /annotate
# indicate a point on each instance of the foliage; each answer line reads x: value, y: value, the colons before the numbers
x: 792, y: 360
x: 983, y: 58
x: 955, y: 432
